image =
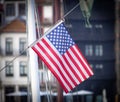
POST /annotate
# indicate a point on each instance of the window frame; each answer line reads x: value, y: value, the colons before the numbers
x: 22, y: 46
x: 9, y: 46
x: 23, y: 68
x: 89, y: 50
x: 99, y: 66
x: 10, y: 11
x: 9, y: 69
x: 48, y: 17
x: 21, y: 12
x: 98, y: 50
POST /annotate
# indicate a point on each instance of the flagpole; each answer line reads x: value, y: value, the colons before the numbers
x: 33, y: 60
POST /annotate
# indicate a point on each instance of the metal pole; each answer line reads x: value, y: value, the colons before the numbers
x: 33, y: 60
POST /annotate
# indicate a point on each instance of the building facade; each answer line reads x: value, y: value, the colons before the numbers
x: 97, y: 44
x: 13, y: 41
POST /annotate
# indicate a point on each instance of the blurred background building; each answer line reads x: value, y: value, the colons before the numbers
x: 97, y: 44
x: 100, y: 44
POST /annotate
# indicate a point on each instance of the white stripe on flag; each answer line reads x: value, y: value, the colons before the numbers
x: 78, y: 62
x: 74, y: 67
x: 66, y: 66
x: 83, y: 60
x: 57, y: 62
x: 54, y: 68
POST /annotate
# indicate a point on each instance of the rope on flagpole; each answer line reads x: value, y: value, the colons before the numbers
x: 2, y: 68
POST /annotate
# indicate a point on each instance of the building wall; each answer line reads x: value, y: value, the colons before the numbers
x: 96, y: 43
x: 14, y: 9
x: 102, y: 33
x: 16, y: 80
x: 14, y: 83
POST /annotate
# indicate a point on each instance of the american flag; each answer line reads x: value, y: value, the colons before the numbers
x: 63, y: 57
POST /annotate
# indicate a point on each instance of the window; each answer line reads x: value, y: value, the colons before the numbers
x: 88, y: 50
x: 98, y: 50
x: 21, y: 9
x: 23, y: 68
x: 98, y: 28
x: 9, y: 68
x: 9, y: 46
x: 23, y: 89
x: 10, y: 9
x: 47, y: 16
x: 9, y: 89
x: 22, y: 46
x: 99, y: 66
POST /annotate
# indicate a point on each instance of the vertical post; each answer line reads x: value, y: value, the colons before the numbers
x: 60, y: 93
x: 57, y: 10
x: 33, y: 60
x: 57, y: 16
x: 117, y: 45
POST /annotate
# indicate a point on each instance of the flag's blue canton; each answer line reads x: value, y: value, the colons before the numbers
x: 60, y: 38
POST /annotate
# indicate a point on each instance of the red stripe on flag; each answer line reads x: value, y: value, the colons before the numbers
x: 87, y: 68
x: 55, y: 64
x: 76, y: 64
x: 49, y: 66
x: 60, y: 61
x: 72, y: 69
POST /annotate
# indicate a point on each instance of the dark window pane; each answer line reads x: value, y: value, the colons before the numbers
x: 9, y: 46
x: 10, y: 9
x: 9, y: 68
x: 22, y: 46
x: 9, y: 89
x: 21, y: 9
x: 23, y: 68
